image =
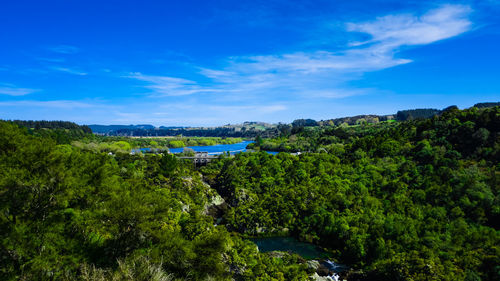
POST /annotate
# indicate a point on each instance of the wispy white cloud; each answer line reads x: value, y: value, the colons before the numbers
x: 388, y: 33
x: 11, y: 90
x: 64, y: 49
x: 68, y: 70
x: 321, y: 73
x: 194, y: 114
x: 393, y: 31
x: 81, y: 111
x: 61, y: 104
x: 170, y: 86
x: 267, y: 87
x: 165, y: 121
x: 339, y: 93
x: 252, y: 108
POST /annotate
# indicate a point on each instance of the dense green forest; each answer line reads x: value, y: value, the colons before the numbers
x: 73, y: 214
x: 412, y: 200
x: 405, y: 201
x: 64, y: 132
x: 61, y: 131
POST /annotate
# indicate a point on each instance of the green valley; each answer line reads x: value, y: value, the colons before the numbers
x: 392, y: 200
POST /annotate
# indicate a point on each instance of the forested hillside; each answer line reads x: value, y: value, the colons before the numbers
x: 413, y: 200
x: 61, y: 131
x: 404, y: 201
x: 72, y: 214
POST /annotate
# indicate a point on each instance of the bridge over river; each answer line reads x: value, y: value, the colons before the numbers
x: 203, y: 154
x: 203, y: 157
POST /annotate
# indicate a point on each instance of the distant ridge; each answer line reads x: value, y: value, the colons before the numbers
x: 486, y: 104
x: 402, y: 115
x: 252, y: 129
x: 106, y: 129
x: 44, y: 124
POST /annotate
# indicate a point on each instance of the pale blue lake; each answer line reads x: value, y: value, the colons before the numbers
x: 211, y: 149
x: 217, y: 149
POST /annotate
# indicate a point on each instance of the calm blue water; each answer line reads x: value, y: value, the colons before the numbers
x: 211, y: 149
x: 217, y: 149
x: 143, y: 150
x: 306, y: 250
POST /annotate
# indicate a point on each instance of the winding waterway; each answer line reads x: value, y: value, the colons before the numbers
x: 306, y: 250
x: 285, y: 244
x: 216, y: 149
x: 220, y: 148
x: 211, y: 149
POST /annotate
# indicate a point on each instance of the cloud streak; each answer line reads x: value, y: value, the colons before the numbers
x: 322, y: 73
x: 60, y: 104
x: 170, y: 86
x: 397, y: 30
x: 259, y: 108
x: 15, y: 91
x: 64, y: 49
x: 68, y: 70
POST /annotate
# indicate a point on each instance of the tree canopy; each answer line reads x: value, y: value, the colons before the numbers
x: 413, y: 200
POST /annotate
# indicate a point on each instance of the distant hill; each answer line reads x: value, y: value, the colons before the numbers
x: 353, y: 120
x: 44, y: 124
x: 63, y: 132
x: 247, y: 129
x: 107, y: 129
x: 253, y: 129
x: 413, y: 114
x: 486, y: 104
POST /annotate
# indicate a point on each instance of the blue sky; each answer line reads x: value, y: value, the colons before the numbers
x: 204, y: 63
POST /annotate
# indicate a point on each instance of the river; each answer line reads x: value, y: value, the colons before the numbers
x: 220, y: 148
x: 306, y: 250
x: 216, y: 149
